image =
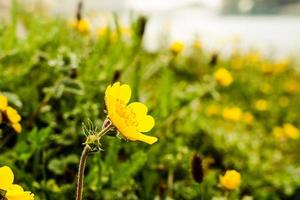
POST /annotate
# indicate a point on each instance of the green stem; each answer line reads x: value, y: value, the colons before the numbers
x: 83, y: 158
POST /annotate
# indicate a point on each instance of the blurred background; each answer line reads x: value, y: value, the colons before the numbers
x: 220, y: 77
x: 220, y: 24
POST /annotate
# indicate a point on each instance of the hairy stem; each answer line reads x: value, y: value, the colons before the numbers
x: 83, y: 158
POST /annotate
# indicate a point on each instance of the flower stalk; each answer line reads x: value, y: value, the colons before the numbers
x: 92, y: 142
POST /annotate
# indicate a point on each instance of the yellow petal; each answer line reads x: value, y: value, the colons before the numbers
x: 139, y: 109
x: 17, y: 127
x: 146, y: 124
x: 145, y: 138
x: 12, y: 115
x: 125, y: 93
x: 3, y: 103
x: 6, y: 177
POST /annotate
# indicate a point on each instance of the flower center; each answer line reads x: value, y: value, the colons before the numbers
x: 126, y: 113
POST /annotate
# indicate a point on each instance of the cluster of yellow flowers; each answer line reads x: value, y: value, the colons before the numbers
x: 286, y: 131
x: 9, y: 114
x: 233, y: 114
x: 223, y: 77
x: 10, y: 191
x: 231, y: 180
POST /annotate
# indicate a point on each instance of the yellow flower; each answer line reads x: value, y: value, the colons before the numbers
x: 266, y: 88
x: 278, y: 133
x: 281, y: 66
x: 177, y: 47
x: 261, y: 105
x: 130, y: 120
x: 12, y: 191
x: 3, y: 103
x: 232, y: 114
x: 292, y: 87
x: 291, y: 131
x: 17, y: 127
x: 223, y: 77
x: 102, y: 32
x: 283, y: 101
x: 82, y: 26
x: 231, y: 180
x: 12, y: 115
x: 213, y: 110
x: 248, y: 118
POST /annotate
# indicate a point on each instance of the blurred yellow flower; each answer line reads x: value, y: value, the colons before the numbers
x: 261, y: 105
x: 102, y: 31
x: 223, y: 77
x: 3, y: 103
x: 213, y: 110
x: 281, y: 66
x: 231, y: 180
x: 266, y: 88
x: 232, y: 114
x: 12, y: 191
x: 237, y: 63
x: 248, y: 118
x: 283, y: 101
x: 286, y: 131
x: 291, y: 131
x: 278, y: 133
x: 267, y: 68
x: 10, y: 114
x: 177, y: 47
x: 130, y: 120
x: 82, y: 26
x: 292, y: 87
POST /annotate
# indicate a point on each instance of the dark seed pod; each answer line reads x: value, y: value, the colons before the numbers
x: 79, y: 10
x: 214, y: 59
x: 141, y: 26
x: 197, y: 168
x: 116, y: 76
x: 73, y: 73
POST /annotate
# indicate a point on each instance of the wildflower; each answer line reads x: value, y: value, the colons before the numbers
x: 278, y: 133
x: 291, y: 87
x: 266, y: 88
x: 130, y: 120
x: 231, y: 180
x: 177, y: 47
x: 286, y: 131
x: 212, y: 110
x: 232, y: 114
x: 3, y: 103
x: 82, y: 26
x: 281, y: 66
x: 261, y: 105
x: 248, y: 118
x: 237, y: 63
x: 291, y: 131
x: 223, y: 77
x: 10, y: 191
x: 10, y: 114
x: 103, y: 31
x: 283, y: 101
